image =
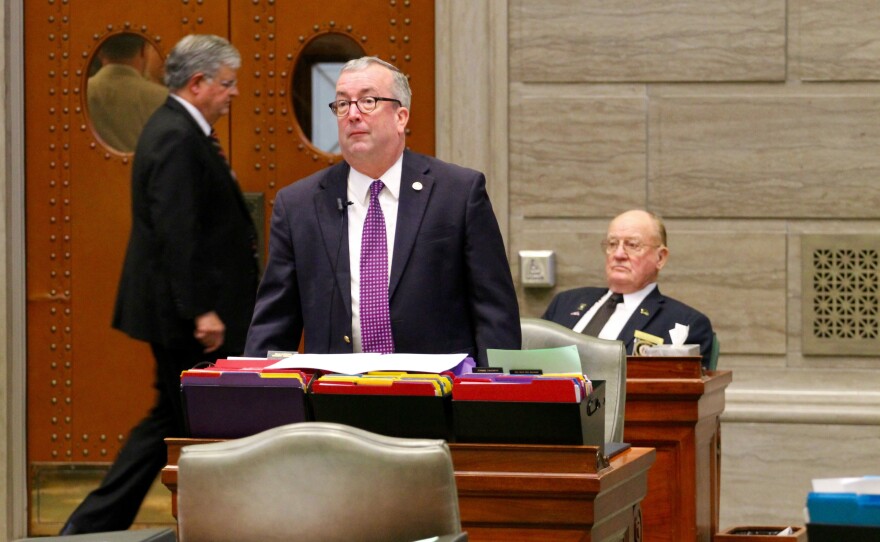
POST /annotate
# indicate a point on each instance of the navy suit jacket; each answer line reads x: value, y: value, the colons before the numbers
x: 450, y: 285
x: 192, y: 243
x: 656, y: 315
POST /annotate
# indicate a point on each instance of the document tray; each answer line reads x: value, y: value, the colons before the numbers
x: 233, y: 404
x: 391, y: 415
x: 509, y: 422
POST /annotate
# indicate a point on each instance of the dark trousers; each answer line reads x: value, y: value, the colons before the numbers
x: 115, y: 503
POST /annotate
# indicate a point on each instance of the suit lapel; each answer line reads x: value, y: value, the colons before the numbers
x: 221, y: 165
x: 334, y: 231
x: 410, y: 210
x: 649, y: 308
x: 582, y: 304
x: 218, y: 163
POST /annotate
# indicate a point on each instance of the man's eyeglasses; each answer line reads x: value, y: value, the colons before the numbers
x: 366, y: 104
x: 225, y: 83
x: 632, y: 247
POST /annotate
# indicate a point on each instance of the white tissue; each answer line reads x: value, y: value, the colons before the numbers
x: 679, y: 334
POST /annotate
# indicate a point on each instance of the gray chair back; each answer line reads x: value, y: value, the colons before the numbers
x: 600, y: 360
x: 316, y: 481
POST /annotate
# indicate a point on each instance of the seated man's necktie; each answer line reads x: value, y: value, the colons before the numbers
x: 603, y: 315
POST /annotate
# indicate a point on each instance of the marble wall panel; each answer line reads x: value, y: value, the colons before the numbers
x: 751, y: 152
x: 766, y: 468
x: 736, y: 278
x: 647, y: 40
x: 576, y: 151
x: 834, y: 40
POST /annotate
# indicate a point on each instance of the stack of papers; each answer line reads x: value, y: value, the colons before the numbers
x: 384, y: 383
x: 355, y: 364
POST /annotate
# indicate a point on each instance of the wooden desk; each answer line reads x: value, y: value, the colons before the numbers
x: 530, y: 492
x: 672, y: 407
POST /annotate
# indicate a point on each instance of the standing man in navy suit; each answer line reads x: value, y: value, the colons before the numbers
x: 190, y: 274
x: 635, y: 252
x: 449, y: 287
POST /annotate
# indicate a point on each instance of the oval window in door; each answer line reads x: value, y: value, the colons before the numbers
x: 314, y: 87
x: 122, y: 90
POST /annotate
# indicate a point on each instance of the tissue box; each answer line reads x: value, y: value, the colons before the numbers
x: 671, y: 350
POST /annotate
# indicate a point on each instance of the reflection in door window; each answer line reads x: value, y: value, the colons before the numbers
x: 120, y: 95
x: 324, y: 133
x: 314, y: 86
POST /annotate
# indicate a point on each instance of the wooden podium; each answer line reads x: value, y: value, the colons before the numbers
x: 530, y: 492
x: 672, y: 406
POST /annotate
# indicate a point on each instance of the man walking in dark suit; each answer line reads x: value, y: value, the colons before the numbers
x: 388, y: 251
x: 635, y: 252
x: 190, y: 273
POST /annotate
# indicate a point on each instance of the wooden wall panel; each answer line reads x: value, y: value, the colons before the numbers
x: 87, y: 384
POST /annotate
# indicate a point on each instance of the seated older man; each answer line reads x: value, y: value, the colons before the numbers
x: 635, y: 252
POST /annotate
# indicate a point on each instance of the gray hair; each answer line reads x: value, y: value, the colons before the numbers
x: 199, y: 53
x: 661, y: 227
x: 400, y: 85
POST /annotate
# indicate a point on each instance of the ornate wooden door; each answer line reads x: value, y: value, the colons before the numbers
x: 89, y: 384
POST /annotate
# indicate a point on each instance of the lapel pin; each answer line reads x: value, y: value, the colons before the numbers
x: 575, y: 313
x: 582, y: 306
x: 644, y: 312
x: 417, y: 186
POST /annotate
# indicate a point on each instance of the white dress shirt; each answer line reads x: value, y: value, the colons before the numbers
x: 196, y: 114
x: 621, y: 315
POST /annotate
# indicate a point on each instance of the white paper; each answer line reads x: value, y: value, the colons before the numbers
x: 866, y: 485
x: 562, y: 359
x: 352, y: 364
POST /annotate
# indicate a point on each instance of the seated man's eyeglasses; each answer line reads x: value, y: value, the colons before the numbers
x: 631, y: 246
x: 367, y: 104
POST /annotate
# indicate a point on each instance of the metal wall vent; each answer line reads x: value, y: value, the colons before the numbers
x: 840, y: 294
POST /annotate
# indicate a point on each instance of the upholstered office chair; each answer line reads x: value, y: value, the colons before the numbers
x: 316, y: 481
x: 713, y: 355
x: 600, y: 360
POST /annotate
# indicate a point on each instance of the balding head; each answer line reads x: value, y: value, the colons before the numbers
x: 636, y: 251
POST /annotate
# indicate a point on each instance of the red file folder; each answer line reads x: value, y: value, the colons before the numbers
x: 518, y: 388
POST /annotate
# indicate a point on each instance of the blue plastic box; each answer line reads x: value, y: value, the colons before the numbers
x: 844, y: 508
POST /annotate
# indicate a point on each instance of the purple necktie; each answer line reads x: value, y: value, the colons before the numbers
x: 375, y: 312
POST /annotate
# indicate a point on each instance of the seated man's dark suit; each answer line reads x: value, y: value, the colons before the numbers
x: 656, y: 315
x: 450, y: 285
